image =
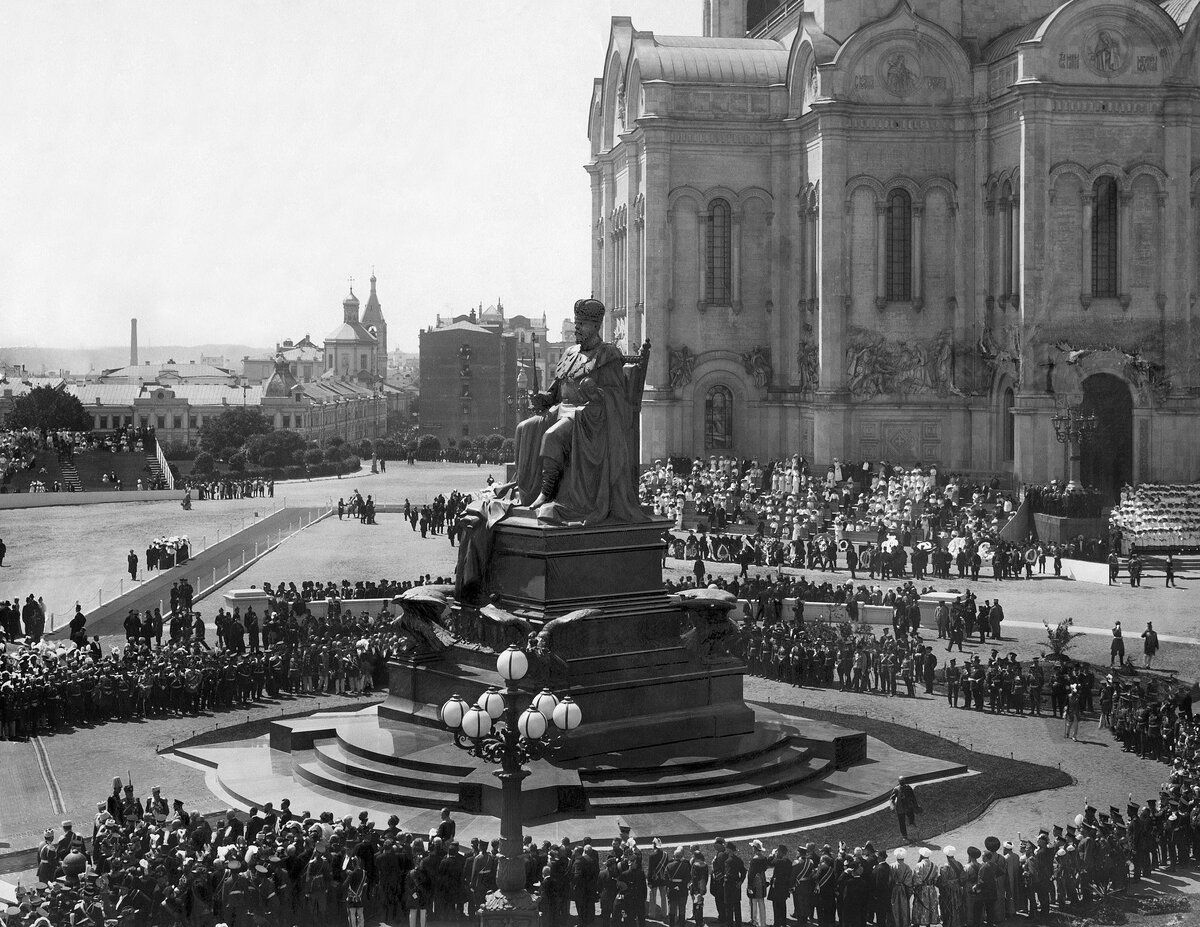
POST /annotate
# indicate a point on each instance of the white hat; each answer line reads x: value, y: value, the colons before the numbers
x: 901, y: 853
x: 925, y: 854
x: 1008, y: 844
x: 949, y: 851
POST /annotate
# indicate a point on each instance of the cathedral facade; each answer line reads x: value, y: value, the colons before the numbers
x: 911, y: 231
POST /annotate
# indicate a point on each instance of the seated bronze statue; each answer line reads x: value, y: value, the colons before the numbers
x: 574, y: 459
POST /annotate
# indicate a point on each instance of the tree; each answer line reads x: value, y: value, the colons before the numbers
x: 508, y: 450
x: 494, y: 443
x: 230, y: 430
x: 275, y: 449
x: 313, y: 456
x: 49, y: 409
x: 204, y: 463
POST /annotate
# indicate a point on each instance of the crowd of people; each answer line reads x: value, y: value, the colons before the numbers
x: 439, y: 516
x: 360, y: 508
x: 228, y: 488
x: 153, y: 861
x: 20, y: 450
x: 1066, y: 500
x: 167, y: 665
x: 163, y: 553
x: 1154, y: 517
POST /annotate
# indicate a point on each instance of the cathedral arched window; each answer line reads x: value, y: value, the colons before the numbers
x: 720, y: 253
x: 718, y: 418
x: 1105, y: 235
x: 899, y: 246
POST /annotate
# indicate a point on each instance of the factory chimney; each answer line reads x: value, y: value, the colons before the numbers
x: 133, y: 358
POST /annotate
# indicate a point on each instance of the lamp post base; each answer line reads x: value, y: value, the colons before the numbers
x: 509, y: 909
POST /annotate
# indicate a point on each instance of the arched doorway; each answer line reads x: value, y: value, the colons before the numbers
x: 1106, y: 461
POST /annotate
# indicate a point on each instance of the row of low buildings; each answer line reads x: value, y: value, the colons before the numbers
x: 338, y: 389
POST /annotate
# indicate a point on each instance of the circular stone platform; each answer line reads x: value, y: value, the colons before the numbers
x: 782, y: 777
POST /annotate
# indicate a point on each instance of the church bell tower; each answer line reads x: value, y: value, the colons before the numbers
x: 373, y: 321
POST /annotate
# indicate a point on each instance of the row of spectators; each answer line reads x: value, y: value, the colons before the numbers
x: 47, y: 685
x: 228, y: 488
x: 156, y: 862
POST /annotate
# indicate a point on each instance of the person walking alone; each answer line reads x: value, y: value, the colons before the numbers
x: 1073, y: 712
x: 132, y: 561
x: 1116, y: 651
x: 904, y: 803
x: 1149, y: 644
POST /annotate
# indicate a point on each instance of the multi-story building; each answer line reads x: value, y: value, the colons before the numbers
x: 468, y: 385
x: 908, y: 231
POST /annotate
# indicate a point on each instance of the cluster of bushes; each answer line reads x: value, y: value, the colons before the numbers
x: 282, y: 455
x: 491, y: 448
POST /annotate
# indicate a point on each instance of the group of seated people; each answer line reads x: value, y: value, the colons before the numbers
x: 784, y: 500
x: 1154, y: 516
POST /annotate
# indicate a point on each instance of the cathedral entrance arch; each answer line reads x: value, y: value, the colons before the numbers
x: 1106, y: 461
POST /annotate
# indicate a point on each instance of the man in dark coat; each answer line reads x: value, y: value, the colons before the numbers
x: 735, y: 875
x: 717, y: 879
x: 881, y: 889
x: 780, y: 886
x: 679, y: 877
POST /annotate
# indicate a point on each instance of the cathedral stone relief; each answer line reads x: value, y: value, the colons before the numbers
x: 876, y: 366
x: 1110, y: 48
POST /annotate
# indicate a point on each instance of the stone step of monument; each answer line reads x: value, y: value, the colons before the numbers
x: 685, y: 792
x: 333, y: 755
x: 618, y: 782
x: 316, y: 773
x: 421, y: 751
x: 717, y: 753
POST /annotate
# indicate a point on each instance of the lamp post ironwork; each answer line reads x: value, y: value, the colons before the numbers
x: 495, y: 732
x: 1074, y: 426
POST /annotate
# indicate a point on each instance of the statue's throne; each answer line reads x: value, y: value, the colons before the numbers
x: 634, y: 370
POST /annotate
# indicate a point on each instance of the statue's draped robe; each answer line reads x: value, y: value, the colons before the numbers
x: 597, y: 482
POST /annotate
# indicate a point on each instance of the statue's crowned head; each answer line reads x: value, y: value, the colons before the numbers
x: 589, y: 310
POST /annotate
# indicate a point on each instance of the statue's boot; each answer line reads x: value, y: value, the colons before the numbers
x: 552, y: 470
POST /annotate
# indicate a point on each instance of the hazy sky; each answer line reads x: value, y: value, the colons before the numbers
x: 219, y: 169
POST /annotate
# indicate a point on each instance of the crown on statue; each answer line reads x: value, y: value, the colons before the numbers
x: 589, y: 310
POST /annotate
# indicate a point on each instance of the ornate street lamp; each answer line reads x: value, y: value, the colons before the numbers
x: 493, y: 731
x: 1074, y: 426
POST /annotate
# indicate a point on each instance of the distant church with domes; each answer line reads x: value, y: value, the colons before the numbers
x: 357, y: 348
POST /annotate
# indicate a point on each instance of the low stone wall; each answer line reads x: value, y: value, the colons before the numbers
x: 1055, y: 529
x: 38, y: 500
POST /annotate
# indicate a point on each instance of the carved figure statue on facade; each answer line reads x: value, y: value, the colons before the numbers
x: 757, y: 363
x: 681, y: 365
x: 808, y: 366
